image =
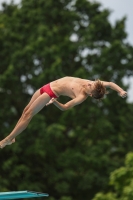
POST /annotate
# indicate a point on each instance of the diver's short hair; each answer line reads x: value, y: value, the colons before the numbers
x: 99, y: 90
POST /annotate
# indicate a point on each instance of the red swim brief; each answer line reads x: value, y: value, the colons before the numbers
x: 47, y: 89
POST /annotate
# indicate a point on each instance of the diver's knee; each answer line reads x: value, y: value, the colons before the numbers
x: 25, y: 109
x: 28, y: 114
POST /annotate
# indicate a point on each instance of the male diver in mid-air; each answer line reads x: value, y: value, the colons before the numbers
x: 76, y: 88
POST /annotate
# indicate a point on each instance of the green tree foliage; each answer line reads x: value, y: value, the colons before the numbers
x: 122, y: 182
x: 67, y: 154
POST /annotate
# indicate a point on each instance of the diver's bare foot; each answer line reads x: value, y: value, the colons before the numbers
x: 12, y: 141
x: 5, y: 142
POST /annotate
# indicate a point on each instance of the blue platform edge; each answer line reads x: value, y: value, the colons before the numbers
x: 21, y: 195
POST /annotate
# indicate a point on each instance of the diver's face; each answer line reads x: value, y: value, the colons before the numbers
x: 90, y: 88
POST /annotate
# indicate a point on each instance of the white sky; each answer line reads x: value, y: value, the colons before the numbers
x: 119, y: 9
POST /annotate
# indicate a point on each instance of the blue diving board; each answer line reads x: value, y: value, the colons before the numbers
x: 21, y: 195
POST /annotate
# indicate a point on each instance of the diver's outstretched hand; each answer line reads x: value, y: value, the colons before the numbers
x: 123, y: 94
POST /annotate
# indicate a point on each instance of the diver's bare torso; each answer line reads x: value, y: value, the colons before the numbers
x: 70, y: 86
